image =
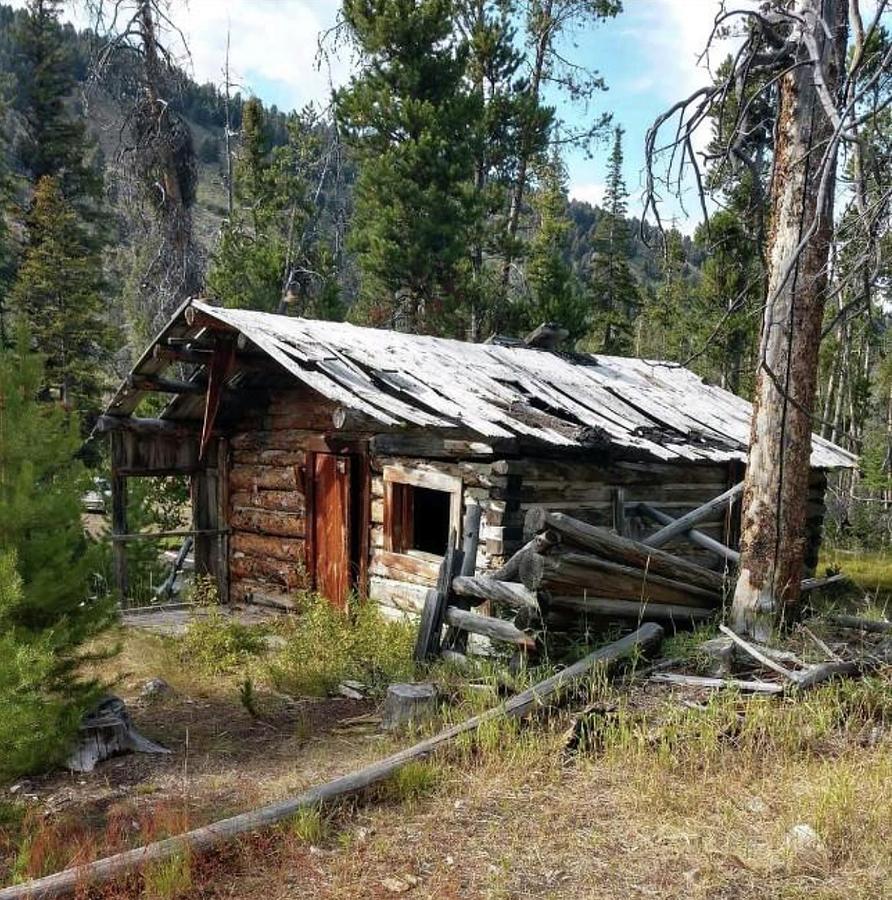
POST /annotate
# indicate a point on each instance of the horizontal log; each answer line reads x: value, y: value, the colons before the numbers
x: 272, y: 439
x: 251, y: 478
x: 397, y: 594
x: 630, y: 609
x: 155, y: 383
x: 285, y: 549
x: 877, y: 626
x: 506, y: 593
x: 497, y: 629
x: 605, y: 578
x: 262, y: 521
x: 693, y: 535
x: 262, y: 596
x: 105, y: 870
x: 685, y: 523
x: 398, y: 565
x: 256, y: 457
x: 276, y: 574
x: 621, y: 549
x: 813, y: 584
x: 285, y: 501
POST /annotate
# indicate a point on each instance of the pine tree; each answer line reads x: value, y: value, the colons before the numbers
x: 46, y: 612
x: 408, y: 115
x: 554, y: 294
x: 59, y: 292
x: 55, y: 142
x: 614, y: 289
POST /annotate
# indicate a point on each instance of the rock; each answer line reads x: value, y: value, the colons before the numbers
x: 395, y: 885
x: 154, y: 688
x: 105, y: 732
x: 802, y: 838
x: 407, y: 703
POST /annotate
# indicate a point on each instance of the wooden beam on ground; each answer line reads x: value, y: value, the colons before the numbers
x: 876, y: 626
x: 813, y: 584
x: 102, y: 871
x: 620, y: 549
x: 701, y: 681
x: 694, y: 536
x: 685, y: 523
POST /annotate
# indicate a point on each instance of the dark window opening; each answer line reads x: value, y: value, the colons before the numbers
x: 419, y: 519
x: 430, y: 520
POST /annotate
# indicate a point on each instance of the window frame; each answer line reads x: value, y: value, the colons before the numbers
x: 396, y: 480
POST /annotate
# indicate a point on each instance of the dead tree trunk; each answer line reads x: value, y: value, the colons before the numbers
x: 776, y: 488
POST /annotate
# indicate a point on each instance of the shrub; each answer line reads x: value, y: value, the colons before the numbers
x: 216, y: 644
x: 325, y: 645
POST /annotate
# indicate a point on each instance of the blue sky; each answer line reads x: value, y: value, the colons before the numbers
x: 648, y: 56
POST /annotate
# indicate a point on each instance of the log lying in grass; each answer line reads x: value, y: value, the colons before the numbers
x: 630, y: 609
x: 812, y: 584
x: 874, y: 625
x: 503, y: 593
x: 497, y: 629
x: 609, y: 579
x: 105, y: 870
x: 701, y: 681
x: 624, y: 550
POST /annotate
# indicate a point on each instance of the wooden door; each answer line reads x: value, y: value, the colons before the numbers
x: 331, y: 526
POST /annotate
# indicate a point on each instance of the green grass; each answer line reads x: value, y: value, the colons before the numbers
x: 870, y: 570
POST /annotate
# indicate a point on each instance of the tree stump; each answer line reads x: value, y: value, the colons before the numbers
x: 107, y: 731
x: 407, y: 703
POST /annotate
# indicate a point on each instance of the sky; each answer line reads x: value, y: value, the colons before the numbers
x: 647, y: 55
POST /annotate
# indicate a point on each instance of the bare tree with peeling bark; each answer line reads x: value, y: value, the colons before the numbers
x: 796, y: 48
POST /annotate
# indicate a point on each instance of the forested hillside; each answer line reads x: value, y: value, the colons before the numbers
x: 431, y: 195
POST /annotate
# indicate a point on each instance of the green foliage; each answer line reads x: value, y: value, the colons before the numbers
x: 325, y: 645
x: 46, y: 611
x: 59, y: 292
x: 413, y: 781
x: 168, y: 879
x: 309, y: 826
x: 407, y: 116
x: 614, y: 289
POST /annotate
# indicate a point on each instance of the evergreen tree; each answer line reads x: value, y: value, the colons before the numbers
x: 408, y: 115
x: 614, y: 289
x: 554, y: 293
x: 58, y: 291
x: 46, y: 613
x: 55, y: 142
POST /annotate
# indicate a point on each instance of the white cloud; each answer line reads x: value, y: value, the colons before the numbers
x: 587, y: 192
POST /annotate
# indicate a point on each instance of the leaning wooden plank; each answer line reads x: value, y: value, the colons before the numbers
x: 488, y: 626
x: 758, y: 655
x: 694, y: 536
x: 104, y: 870
x: 504, y: 593
x: 701, y: 681
x: 686, y: 522
x: 612, y: 546
x: 874, y: 625
x: 428, y: 641
x: 630, y: 609
x: 600, y: 575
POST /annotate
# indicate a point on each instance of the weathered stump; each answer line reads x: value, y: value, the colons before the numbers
x: 107, y: 731
x: 407, y: 703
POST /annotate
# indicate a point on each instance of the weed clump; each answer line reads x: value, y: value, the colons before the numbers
x: 325, y: 645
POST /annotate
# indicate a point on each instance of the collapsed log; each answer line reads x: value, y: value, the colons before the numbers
x: 705, y: 681
x: 625, y: 550
x: 685, y: 523
x: 503, y: 593
x: 609, y: 579
x: 630, y: 609
x: 104, y: 870
x: 694, y: 536
x: 542, y: 543
x: 496, y: 629
x: 873, y: 625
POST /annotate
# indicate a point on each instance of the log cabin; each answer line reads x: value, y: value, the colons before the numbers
x: 328, y: 456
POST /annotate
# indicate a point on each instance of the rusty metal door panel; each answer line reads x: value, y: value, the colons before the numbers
x: 331, y: 526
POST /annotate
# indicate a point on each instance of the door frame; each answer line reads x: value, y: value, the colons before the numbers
x: 359, y: 526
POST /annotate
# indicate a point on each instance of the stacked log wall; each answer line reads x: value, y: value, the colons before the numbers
x: 267, y: 496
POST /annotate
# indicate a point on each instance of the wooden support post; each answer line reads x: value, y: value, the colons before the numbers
x: 119, y: 527
x: 456, y: 639
x: 620, y: 526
